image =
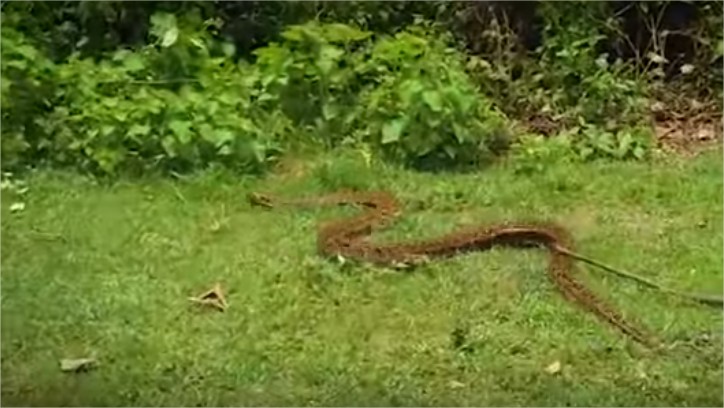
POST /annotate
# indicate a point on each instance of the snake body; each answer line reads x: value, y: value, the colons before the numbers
x: 348, y: 238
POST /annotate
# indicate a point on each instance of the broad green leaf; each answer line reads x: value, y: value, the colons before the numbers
x: 225, y: 150
x: 198, y: 43
x: 163, y: 26
x: 19, y: 64
x: 139, y: 130
x: 625, y: 143
x: 108, y: 159
x: 433, y: 100
x: 92, y: 133
x: 228, y: 49
x: 585, y: 152
x: 267, y: 79
x: 258, y: 151
x: 328, y: 57
x: 223, y: 136
x: 213, y: 107
x: 207, y: 132
x: 120, y: 115
x: 110, y: 102
x: 133, y: 62
x: 27, y: 51
x: 330, y: 111
x: 169, y: 145
x: 182, y: 130
x: 461, y: 133
x: 639, y: 152
x: 265, y: 96
x: 336, y: 32
x: 392, y: 130
x: 292, y: 33
x: 170, y: 37
x: 107, y: 129
x: 409, y: 90
x: 227, y: 98
x: 449, y: 150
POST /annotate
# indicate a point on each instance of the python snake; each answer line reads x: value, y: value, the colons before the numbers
x: 348, y: 238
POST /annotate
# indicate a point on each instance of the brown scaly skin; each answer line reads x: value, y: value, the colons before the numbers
x: 348, y: 238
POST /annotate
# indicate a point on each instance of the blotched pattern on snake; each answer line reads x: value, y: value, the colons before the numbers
x: 348, y: 238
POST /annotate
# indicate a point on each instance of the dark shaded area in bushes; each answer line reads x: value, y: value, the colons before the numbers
x: 91, y: 27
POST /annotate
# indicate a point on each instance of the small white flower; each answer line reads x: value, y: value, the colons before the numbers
x: 656, y: 58
x: 602, y: 61
x: 687, y: 69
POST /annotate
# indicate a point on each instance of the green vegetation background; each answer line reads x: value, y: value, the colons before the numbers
x: 131, y: 133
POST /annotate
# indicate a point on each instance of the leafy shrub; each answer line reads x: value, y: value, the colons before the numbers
x: 181, y: 103
x: 27, y: 85
x: 345, y: 169
x: 532, y: 153
x: 408, y: 96
x: 116, y: 115
x: 423, y: 108
x: 582, y: 86
x: 581, y: 81
x: 311, y: 76
x: 574, y: 87
x: 590, y: 142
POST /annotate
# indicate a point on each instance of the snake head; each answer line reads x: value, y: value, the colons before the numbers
x: 259, y: 199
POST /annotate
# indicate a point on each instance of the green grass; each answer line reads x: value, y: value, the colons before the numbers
x: 90, y: 269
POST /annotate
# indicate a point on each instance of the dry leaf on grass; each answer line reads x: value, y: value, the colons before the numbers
x: 77, y: 364
x: 17, y: 207
x: 214, y: 298
x: 554, y: 368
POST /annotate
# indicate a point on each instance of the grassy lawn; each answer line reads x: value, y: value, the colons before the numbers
x: 105, y: 271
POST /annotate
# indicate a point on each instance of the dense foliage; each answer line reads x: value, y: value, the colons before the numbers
x: 85, y: 85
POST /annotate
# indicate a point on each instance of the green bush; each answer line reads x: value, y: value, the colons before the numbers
x: 581, y: 81
x: 573, y: 87
x: 147, y: 110
x: 408, y: 96
x: 27, y: 86
x: 531, y: 154
x: 311, y: 76
x: 181, y: 102
x: 423, y: 108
